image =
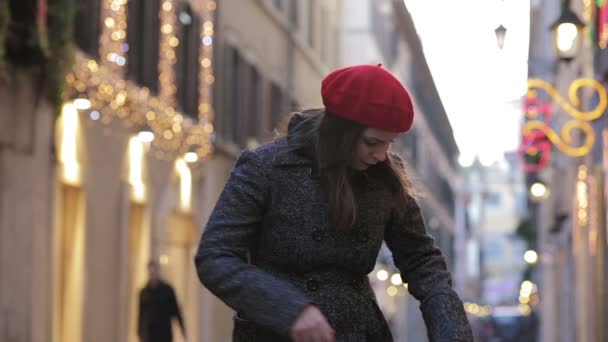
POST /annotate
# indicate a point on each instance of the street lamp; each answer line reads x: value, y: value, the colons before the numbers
x: 539, y: 190
x: 567, y: 36
x: 531, y: 257
x: 500, y: 31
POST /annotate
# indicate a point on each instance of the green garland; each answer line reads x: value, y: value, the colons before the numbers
x: 4, y: 17
x: 60, y: 48
x: 55, y: 43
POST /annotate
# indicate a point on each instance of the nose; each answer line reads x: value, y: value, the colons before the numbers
x: 380, y: 154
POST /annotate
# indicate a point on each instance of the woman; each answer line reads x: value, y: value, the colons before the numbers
x: 301, y: 220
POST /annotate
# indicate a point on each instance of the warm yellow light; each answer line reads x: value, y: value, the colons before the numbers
x: 191, y: 157
x: 136, y: 160
x: 69, y: 144
x: 581, y: 188
x: 524, y: 308
x: 531, y: 257
x: 92, y: 65
x: 527, y: 285
x: 145, y: 136
x: 163, y: 259
x: 150, y: 115
x: 538, y: 190
x: 208, y: 128
x: 392, y: 291
x: 474, y: 308
x: 382, y: 275
x: 82, y: 104
x: 185, y: 176
x: 582, y: 196
x: 173, y: 41
x: 109, y: 22
x: 167, y: 28
x: 566, y: 36
x: 121, y: 98
x: 526, y: 288
x: 396, y: 279
x: 167, y: 6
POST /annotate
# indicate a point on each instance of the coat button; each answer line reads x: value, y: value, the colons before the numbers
x: 317, y: 235
x: 312, y: 284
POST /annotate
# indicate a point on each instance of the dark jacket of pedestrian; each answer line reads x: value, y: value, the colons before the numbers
x: 157, y: 307
x: 274, y: 246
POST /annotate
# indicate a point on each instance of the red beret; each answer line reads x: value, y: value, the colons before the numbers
x: 369, y: 95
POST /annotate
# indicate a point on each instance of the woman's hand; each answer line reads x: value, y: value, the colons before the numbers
x: 311, y: 326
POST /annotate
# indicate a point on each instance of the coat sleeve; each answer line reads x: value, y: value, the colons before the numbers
x: 222, y: 253
x: 423, y: 268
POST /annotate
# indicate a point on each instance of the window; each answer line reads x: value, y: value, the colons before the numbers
x: 447, y: 195
x: 293, y: 13
x: 241, y: 112
x: 187, y: 66
x: 311, y: 22
x: 232, y: 92
x: 276, y: 105
x: 87, y: 26
x: 143, y: 35
x: 252, y: 118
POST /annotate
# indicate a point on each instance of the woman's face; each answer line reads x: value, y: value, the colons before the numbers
x: 371, y: 147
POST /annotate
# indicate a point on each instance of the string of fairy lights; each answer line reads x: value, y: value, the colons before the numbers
x: 112, y: 97
x: 168, y: 58
x: 206, y: 51
x: 112, y: 47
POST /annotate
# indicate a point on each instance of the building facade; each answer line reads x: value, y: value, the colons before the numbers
x: 160, y: 99
x: 570, y: 219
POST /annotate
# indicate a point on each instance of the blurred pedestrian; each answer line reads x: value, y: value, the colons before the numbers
x: 157, y: 307
x: 301, y: 220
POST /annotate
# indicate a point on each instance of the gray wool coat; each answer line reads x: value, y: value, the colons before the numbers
x: 269, y: 250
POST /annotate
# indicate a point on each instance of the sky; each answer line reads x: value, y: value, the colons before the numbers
x: 481, y: 86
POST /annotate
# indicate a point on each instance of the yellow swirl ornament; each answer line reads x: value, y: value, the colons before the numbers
x: 580, y: 119
x: 597, y: 112
x: 566, y: 132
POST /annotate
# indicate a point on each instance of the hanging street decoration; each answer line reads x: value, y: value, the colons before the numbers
x: 535, y: 148
x: 580, y: 120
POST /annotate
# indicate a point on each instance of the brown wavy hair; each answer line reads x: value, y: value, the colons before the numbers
x: 331, y: 142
